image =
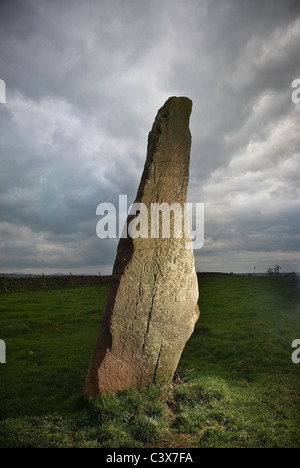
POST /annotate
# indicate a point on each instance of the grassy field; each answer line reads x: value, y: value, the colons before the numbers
x: 240, y: 387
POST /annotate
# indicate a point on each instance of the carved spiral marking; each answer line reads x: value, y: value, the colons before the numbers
x: 151, y: 268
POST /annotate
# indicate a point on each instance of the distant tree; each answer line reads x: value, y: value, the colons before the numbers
x: 270, y: 271
x: 277, y: 270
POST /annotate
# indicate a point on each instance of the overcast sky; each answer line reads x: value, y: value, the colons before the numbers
x: 84, y: 81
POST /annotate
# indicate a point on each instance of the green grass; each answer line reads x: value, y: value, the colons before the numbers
x: 240, y: 387
x: 49, y: 338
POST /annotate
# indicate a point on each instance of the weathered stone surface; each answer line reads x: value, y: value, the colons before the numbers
x: 152, y: 305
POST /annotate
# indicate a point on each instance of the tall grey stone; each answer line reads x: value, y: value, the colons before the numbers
x: 152, y: 306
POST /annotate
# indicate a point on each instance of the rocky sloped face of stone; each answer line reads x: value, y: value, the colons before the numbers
x: 152, y: 304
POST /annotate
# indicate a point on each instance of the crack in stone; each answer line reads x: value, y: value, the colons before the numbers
x: 157, y: 362
x: 150, y: 313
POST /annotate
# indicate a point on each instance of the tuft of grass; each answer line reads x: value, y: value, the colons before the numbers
x: 196, y: 402
x: 140, y: 414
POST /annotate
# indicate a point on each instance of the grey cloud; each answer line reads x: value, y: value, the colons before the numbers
x: 84, y: 82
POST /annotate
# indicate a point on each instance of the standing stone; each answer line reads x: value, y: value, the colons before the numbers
x: 152, y: 306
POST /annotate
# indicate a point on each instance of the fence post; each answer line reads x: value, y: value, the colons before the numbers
x: 71, y: 279
x: 2, y: 352
x: 4, y: 283
x: 44, y: 281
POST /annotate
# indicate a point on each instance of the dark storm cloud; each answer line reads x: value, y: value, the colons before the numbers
x: 84, y: 82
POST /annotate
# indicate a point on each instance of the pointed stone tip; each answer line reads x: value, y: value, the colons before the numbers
x: 180, y: 99
x: 180, y: 105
